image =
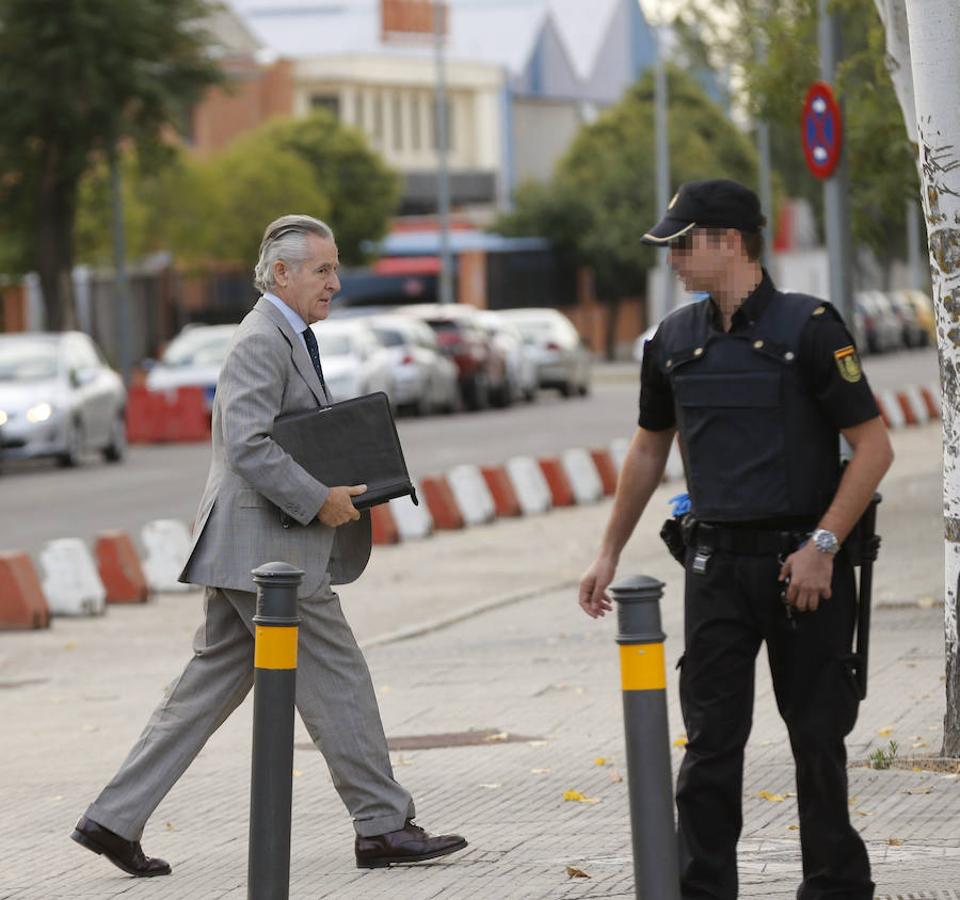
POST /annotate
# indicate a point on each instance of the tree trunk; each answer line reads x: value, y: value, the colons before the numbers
x: 923, y: 37
x: 57, y: 205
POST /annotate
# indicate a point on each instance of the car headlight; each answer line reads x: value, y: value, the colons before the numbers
x: 3, y: 417
x: 39, y: 413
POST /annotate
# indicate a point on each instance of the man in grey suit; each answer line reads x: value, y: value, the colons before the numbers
x: 258, y: 506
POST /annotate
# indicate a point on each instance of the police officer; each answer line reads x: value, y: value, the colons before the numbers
x: 759, y: 384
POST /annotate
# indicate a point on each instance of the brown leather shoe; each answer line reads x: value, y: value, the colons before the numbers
x: 124, y: 854
x: 411, y: 844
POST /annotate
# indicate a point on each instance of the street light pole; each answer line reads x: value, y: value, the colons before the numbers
x: 663, y: 297
x: 836, y: 209
x: 443, y: 175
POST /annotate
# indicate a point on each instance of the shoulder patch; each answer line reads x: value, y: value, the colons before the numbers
x: 848, y: 363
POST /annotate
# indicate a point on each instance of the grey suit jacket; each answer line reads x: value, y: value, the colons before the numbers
x: 266, y: 373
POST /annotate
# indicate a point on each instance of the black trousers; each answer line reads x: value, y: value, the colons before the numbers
x: 730, y: 610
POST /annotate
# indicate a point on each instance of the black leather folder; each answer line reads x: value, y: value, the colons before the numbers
x: 351, y: 442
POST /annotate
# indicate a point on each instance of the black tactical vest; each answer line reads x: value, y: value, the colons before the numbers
x: 755, y: 443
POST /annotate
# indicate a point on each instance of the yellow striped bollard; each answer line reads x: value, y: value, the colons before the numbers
x: 643, y: 677
x: 274, y: 690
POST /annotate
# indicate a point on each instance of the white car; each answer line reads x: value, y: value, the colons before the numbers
x: 354, y: 363
x: 562, y: 358
x: 424, y: 379
x: 521, y: 357
x: 193, y: 359
x: 59, y: 398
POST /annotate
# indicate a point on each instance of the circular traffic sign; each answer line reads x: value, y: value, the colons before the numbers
x: 822, y: 130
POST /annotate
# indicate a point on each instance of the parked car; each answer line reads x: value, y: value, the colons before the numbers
x: 562, y: 358
x: 915, y: 332
x: 519, y: 356
x: 925, y: 314
x: 424, y: 379
x: 878, y: 326
x: 354, y: 363
x: 192, y: 359
x: 59, y: 398
x: 482, y: 369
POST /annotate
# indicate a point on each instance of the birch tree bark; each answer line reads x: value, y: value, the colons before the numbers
x: 923, y: 50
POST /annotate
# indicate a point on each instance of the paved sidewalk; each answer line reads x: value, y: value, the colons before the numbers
x: 539, y: 676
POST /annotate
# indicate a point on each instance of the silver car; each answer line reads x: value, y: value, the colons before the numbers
x: 193, y: 359
x: 353, y: 361
x: 59, y: 398
x: 424, y: 379
x: 562, y: 358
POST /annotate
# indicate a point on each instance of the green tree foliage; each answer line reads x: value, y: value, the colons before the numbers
x: 881, y: 164
x: 215, y: 209
x: 77, y: 77
x: 602, y: 197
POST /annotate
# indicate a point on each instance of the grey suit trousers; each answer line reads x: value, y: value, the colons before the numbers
x: 335, y: 698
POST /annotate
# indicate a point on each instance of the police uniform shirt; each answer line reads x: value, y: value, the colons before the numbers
x: 826, y: 356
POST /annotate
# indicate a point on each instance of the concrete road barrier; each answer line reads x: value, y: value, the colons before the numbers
x: 561, y: 491
x: 70, y: 579
x: 22, y: 601
x: 167, y: 542
x: 582, y: 475
x: 441, y: 503
x: 472, y: 495
x: 501, y: 489
x: 120, y: 568
x: 413, y: 522
x: 528, y: 481
x: 382, y: 525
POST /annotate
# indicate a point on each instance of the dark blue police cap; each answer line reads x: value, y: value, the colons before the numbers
x: 719, y: 203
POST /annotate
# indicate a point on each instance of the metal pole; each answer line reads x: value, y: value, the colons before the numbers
x: 443, y: 175
x: 663, y: 298
x: 763, y: 155
x: 649, y: 777
x: 836, y: 209
x: 121, y: 290
x: 274, y: 687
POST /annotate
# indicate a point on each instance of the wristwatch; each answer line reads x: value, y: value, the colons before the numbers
x: 825, y: 541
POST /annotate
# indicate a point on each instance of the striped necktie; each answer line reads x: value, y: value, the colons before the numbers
x: 314, y: 352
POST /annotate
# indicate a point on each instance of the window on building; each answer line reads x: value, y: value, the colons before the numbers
x: 397, y: 108
x: 415, y: 120
x: 378, y: 117
x: 329, y: 102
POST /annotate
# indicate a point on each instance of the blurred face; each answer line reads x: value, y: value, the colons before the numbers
x: 308, y: 287
x: 703, y: 257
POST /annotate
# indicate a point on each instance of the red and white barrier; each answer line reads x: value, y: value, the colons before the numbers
x: 531, y: 487
x: 22, y: 601
x: 472, y: 495
x: 120, y: 568
x: 413, y: 522
x: 582, y: 474
x: 383, y: 528
x: 70, y: 579
x: 441, y: 503
x: 167, y: 543
x: 501, y: 489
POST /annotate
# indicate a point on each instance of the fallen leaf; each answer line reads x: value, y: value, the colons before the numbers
x: 386, y: 689
x: 539, y: 771
x: 574, y: 872
x: 926, y: 602
x: 89, y: 728
x: 680, y: 741
x: 602, y: 761
x: 918, y: 745
x: 169, y: 826
x: 919, y: 790
x: 402, y: 760
x: 536, y: 743
x: 297, y: 773
x: 895, y: 842
x: 615, y: 776
x: 497, y: 738
x: 70, y: 645
x: 492, y: 786
x: 773, y: 798
x: 579, y: 798
x: 57, y: 798
x: 860, y: 812
x: 793, y: 828
x: 790, y: 794
x: 886, y: 731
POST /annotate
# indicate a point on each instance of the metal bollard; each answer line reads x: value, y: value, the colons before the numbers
x: 274, y: 687
x: 649, y: 778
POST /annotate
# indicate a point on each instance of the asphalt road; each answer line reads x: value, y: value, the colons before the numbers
x: 39, y: 502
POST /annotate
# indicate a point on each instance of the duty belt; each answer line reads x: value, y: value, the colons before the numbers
x: 751, y: 542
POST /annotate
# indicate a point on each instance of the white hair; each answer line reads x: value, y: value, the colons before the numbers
x: 286, y: 238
